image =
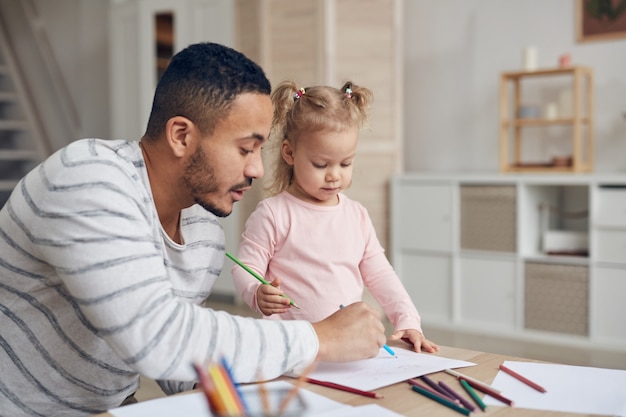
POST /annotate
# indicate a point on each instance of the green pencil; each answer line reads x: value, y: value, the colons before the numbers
x: 440, y: 400
x: 257, y: 276
x: 473, y: 394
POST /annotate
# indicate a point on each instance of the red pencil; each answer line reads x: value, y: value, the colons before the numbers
x: 523, y: 379
x: 370, y: 394
x: 490, y: 392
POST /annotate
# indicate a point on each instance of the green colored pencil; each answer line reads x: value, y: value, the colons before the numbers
x: 440, y: 400
x: 473, y: 394
x: 257, y: 276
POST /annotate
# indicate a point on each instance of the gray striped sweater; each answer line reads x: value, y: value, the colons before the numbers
x: 94, y: 293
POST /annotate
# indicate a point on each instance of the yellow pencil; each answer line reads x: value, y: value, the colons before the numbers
x: 224, y: 392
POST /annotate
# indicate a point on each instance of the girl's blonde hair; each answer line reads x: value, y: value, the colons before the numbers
x: 298, y: 111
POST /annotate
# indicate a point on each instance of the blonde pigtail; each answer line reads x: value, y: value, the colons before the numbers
x: 360, y: 97
x: 283, y: 102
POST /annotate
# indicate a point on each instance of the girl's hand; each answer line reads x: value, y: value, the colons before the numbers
x: 269, y: 300
x: 417, y: 339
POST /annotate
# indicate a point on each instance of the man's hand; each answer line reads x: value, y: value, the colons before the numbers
x: 352, y: 333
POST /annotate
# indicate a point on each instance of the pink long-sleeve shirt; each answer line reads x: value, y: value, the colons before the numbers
x: 324, y: 256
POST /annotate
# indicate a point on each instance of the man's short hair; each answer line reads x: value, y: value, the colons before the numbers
x: 200, y: 83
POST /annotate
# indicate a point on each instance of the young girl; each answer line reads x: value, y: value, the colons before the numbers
x: 309, y: 240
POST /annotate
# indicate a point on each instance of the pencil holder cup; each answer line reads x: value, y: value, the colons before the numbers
x: 254, y: 403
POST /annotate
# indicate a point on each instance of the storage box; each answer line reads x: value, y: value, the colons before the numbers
x: 488, y: 218
x: 556, y: 298
x: 565, y: 241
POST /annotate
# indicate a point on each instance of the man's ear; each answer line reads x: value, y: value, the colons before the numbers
x: 286, y: 150
x: 179, y: 132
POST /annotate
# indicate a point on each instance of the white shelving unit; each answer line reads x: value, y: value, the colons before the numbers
x: 468, y: 248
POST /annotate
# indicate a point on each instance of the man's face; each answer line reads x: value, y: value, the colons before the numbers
x: 224, y: 164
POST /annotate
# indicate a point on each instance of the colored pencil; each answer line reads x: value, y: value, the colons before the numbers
x: 433, y: 391
x: 391, y: 352
x: 452, y: 392
x: 522, y: 378
x: 226, y: 393
x: 437, y: 388
x: 479, y: 402
x: 345, y: 388
x: 296, y: 387
x: 233, y: 390
x: 440, y: 400
x: 257, y: 276
x: 216, y: 404
x: 238, y: 393
x: 263, y: 394
x: 469, y: 378
x: 387, y: 348
x: 490, y: 392
x: 265, y: 402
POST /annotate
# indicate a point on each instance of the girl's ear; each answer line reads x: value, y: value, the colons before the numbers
x: 286, y: 150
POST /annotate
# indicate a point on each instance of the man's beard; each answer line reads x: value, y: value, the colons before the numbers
x: 200, y: 180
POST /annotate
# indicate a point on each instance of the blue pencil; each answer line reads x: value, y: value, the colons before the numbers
x: 387, y: 348
x: 391, y: 352
x: 226, y: 367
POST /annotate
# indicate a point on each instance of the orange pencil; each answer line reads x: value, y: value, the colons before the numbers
x: 523, y: 379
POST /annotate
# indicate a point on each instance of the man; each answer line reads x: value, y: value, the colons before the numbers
x: 108, y: 248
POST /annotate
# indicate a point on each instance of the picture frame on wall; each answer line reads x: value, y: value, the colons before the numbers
x: 599, y: 20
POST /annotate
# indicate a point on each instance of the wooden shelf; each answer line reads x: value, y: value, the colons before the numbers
x: 511, y: 126
x: 513, y: 75
x: 544, y: 168
x: 545, y: 122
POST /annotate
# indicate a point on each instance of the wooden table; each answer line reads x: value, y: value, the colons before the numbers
x: 401, y: 399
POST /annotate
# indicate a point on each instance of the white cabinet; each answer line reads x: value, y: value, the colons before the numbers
x: 610, y: 223
x: 427, y: 211
x: 611, y: 245
x: 428, y: 278
x: 610, y: 209
x: 487, y: 291
x: 426, y: 240
x: 469, y: 248
x: 608, y: 309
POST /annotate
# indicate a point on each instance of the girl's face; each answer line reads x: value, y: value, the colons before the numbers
x: 322, y: 165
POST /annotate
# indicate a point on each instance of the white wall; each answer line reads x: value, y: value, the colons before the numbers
x: 77, y: 30
x: 455, y: 51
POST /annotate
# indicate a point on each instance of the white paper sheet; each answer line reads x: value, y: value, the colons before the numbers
x: 192, y: 405
x: 195, y: 405
x: 369, y: 410
x: 384, y: 369
x: 576, y: 389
